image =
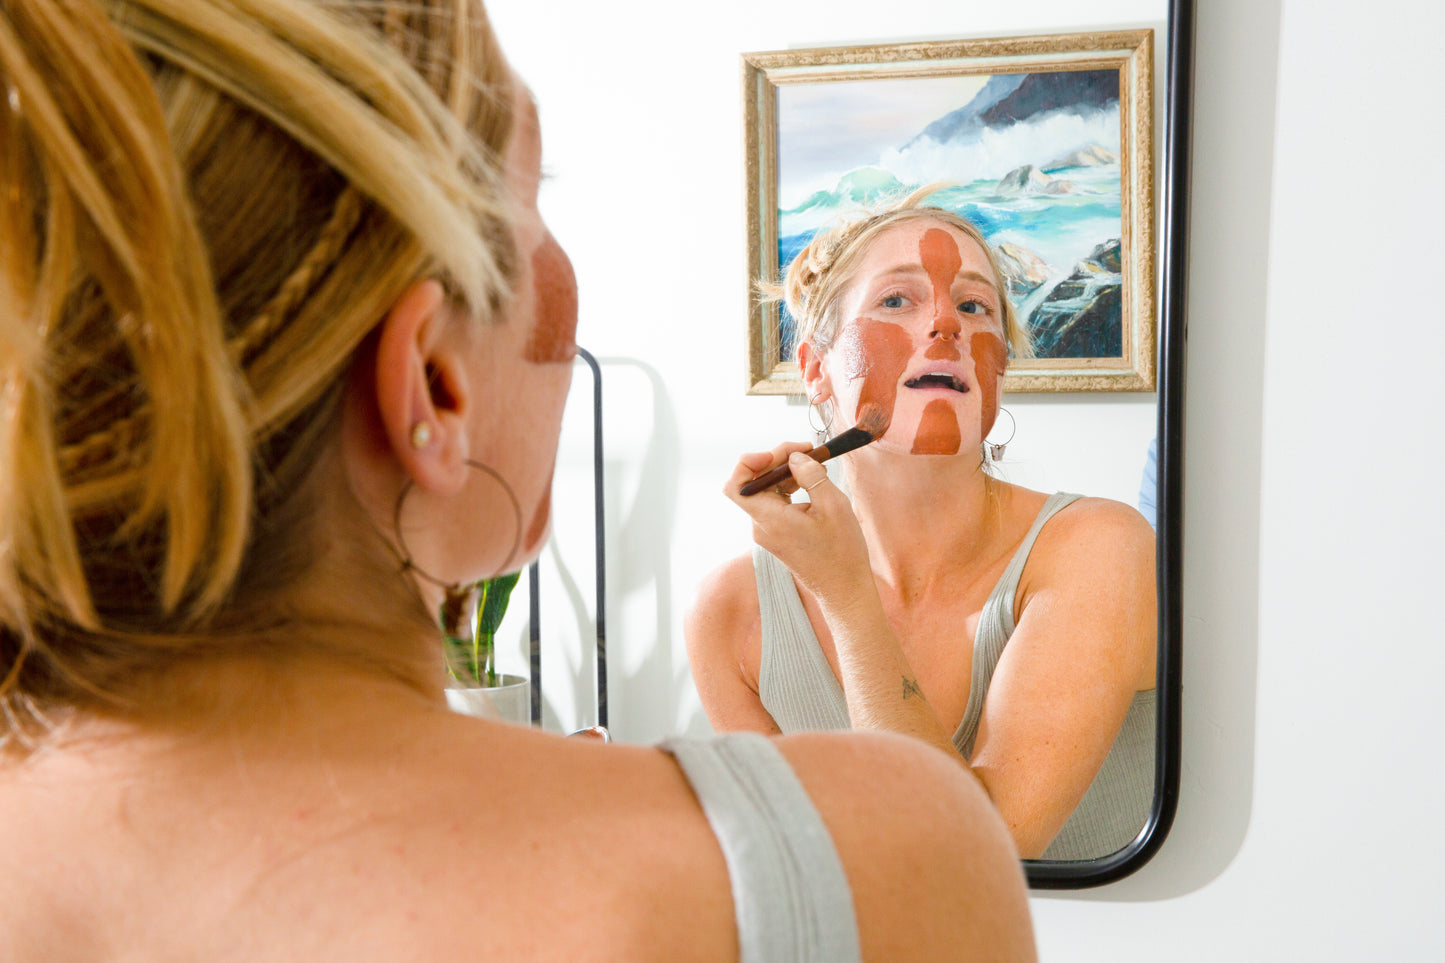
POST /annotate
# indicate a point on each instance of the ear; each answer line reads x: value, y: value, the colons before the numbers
x: 815, y: 376
x: 422, y: 393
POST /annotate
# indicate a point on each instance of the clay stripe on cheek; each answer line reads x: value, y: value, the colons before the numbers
x: 876, y: 351
x: 990, y: 357
x: 938, y: 430
x: 554, y: 331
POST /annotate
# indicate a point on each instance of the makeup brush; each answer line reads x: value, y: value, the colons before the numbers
x: 872, y: 423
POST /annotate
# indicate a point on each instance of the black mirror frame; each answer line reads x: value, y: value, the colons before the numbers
x: 1173, y: 247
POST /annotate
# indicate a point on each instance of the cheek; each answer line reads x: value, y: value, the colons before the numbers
x: 876, y: 352
x: 554, y: 332
x: 541, y: 516
x: 990, y: 357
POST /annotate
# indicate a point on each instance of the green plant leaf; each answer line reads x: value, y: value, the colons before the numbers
x: 496, y: 593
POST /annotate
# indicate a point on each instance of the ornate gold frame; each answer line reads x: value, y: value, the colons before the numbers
x: 1131, y: 52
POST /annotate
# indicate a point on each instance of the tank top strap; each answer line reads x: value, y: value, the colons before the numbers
x: 795, y: 682
x: 791, y: 897
x: 996, y: 624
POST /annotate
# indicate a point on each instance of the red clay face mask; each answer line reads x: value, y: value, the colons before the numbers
x: 554, y: 332
x: 877, y: 352
x: 990, y: 357
x: 938, y: 431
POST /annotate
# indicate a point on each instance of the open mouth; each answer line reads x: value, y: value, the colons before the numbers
x: 937, y: 379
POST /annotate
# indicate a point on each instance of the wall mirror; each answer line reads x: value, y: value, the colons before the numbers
x: 1058, y: 147
x: 1172, y: 180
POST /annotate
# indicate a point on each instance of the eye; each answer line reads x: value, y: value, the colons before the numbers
x: 893, y: 300
x: 973, y: 306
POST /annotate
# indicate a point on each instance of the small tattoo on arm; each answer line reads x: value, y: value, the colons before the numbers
x: 911, y: 690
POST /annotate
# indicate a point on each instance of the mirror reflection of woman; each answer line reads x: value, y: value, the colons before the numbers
x: 274, y: 287
x: 1013, y: 629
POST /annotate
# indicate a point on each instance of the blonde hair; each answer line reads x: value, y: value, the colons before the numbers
x: 205, y: 208
x: 822, y: 271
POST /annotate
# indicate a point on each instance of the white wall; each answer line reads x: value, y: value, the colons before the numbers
x: 1306, y: 826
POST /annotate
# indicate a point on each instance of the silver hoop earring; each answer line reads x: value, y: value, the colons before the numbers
x: 459, y: 606
x: 996, y: 449
x: 813, y: 406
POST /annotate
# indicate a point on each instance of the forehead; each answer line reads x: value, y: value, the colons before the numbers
x: 899, y: 245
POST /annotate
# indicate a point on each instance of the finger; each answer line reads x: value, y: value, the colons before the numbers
x: 808, y: 474
x: 756, y: 464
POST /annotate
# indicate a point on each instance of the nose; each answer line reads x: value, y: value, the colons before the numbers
x: 945, y: 324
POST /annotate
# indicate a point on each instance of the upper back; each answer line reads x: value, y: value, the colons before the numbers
x: 390, y: 851
x: 503, y: 842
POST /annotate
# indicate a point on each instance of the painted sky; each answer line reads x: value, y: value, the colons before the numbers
x: 833, y: 128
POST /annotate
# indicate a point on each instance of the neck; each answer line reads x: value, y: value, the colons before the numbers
x: 924, y: 517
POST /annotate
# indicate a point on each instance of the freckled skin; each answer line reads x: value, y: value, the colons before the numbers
x: 990, y: 356
x: 938, y: 432
x: 554, y: 337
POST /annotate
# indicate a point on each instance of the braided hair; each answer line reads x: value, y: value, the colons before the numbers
x: 206, y: 206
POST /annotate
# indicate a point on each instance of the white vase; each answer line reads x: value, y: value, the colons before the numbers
x: 511, y: 701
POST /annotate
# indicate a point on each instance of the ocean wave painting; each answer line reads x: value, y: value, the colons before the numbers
x: 1045, y: 142
x: 1033, y: 159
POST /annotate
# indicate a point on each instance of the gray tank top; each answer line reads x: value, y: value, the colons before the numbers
x: 790, y: 895
x: 800, y: 691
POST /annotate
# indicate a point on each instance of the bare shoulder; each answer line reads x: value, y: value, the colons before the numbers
x: 724, y: 608
x: 608, y: 841
x: 933, y: 869
x: 1092, y: 571
x: 1091, y: 518
x: 1093, y: 537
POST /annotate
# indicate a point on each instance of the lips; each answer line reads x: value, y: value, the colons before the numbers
x: 938, y: 379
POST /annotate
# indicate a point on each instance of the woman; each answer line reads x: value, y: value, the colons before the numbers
x: 889, y: 608
x: 285, y: 345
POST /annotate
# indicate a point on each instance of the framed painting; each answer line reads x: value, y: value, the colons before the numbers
x: 1044, y: 142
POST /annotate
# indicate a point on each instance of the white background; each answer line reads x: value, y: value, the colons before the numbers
x: 1311, y: 797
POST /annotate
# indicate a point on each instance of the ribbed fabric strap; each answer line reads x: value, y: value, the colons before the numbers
x: 790, y: 894
x: 996, y: 624
x: 795, y: 682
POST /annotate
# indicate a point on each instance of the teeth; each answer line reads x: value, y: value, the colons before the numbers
x: 938, y: 377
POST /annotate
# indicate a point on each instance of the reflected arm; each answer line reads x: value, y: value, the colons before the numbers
x: 722, y: 629
x: 1085, y: 642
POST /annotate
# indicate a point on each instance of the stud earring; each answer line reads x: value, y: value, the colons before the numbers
x: 420, y: 435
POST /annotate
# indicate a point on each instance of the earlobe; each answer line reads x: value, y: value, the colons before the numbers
x: 421, y: 389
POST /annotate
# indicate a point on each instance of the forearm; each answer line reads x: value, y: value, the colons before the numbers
x: 879, y: 685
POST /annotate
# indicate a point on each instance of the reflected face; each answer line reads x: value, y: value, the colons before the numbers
x: 922, y: 337
x: 531, y: 351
